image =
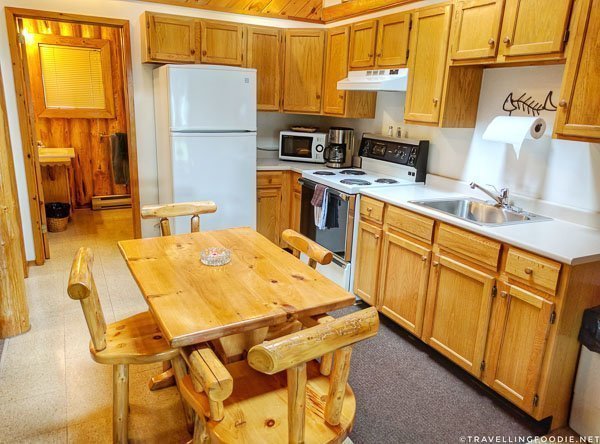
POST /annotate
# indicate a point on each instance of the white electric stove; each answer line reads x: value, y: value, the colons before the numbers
x: 386, y: 162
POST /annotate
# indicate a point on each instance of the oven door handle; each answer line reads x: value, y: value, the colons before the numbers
x: 310, y: 184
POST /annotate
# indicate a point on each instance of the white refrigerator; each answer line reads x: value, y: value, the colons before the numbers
x: 206, y: 141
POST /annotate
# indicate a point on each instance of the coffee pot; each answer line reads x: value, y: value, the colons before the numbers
x: 339, y: 152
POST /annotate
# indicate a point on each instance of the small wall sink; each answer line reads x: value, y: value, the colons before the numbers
x: 480, y: 212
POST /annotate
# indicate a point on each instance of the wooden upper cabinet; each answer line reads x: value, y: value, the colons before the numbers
x: 457, y: 314
x: 392, y: 40
x: 222, y: 43
x: 427, y: 63
x: 169, y: 38
x: 403, y: 282
x: 578, y: 115
x: 363, y: 39
x: 518, y: 339
x: 303, y: 80
x: 367, y: 262
x: 476, y: 29
x: 534, y: 27
x: 265, y: 54
x: 336, y: 69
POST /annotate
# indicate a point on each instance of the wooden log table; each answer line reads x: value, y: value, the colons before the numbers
x: 262, y: 286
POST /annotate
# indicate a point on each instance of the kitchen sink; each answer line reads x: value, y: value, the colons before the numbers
x: 480, y: 212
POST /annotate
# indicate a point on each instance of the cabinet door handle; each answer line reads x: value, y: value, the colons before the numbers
x: 341, y: 96
x: 562, y: 103
x: 491, y: 42
x: 435, y: 101
x: 370, y: 55
x: 507, y: 40
x: 379, y: 55
x: 369, y: 209
x: 376, y: 236
x: 423, y: 258
x: 528, y: 271
x: 503, y: 294
x: 192, y: 51
x: 318, y: 96
x: 436, y: 263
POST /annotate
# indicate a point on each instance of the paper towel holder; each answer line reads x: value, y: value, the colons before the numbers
x: 524, y: 103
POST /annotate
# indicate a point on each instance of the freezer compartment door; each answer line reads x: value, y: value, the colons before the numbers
x: 220, y: 167
x: 212, y: 98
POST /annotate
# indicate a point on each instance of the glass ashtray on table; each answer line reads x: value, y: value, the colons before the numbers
x: 215, y: 256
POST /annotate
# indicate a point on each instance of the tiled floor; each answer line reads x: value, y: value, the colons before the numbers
x: 50, y: 389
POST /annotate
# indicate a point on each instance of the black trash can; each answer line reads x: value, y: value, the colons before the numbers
x: 585, y: 410
x: 57, y: 216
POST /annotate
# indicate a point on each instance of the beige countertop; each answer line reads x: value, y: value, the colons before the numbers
x: 274, y: 164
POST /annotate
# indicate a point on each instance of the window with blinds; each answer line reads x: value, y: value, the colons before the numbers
x: 72, y: 77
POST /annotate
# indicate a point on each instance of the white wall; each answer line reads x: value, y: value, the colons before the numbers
x: 142, y: 83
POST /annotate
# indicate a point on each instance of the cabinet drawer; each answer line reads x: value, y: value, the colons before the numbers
x: 536, y: 271
x: 479, y: 249
x: 411, y: 223
x: 269, y: 178
x: 371, y: 209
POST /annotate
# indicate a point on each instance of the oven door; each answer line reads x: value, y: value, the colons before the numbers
x: 340, y: 209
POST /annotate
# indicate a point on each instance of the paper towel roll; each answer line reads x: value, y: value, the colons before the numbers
x: 515, y: 130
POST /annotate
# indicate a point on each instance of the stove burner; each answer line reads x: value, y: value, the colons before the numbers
x: 324, y: 173
x: 355, y: 182
x: 386, y: 181
x: 353, y: 172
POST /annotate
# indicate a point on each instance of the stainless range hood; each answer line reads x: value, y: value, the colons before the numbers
x: 375, y: 80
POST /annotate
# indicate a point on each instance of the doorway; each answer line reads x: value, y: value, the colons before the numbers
x: 73, y: 80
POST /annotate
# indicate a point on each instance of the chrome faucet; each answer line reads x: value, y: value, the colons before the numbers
x: 501, y: 197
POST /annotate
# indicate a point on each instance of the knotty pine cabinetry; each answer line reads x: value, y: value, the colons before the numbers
x: 303, y: 79
x: 507, y: 316
x: 354, y: 104
x: 381, y: 43
x: 265, y: 54
x: 578, y: 115
x: 278, y: 201
x: 170, y: 38
x: 222, y: 43
x: 507, y: 31
x: 437, y: 94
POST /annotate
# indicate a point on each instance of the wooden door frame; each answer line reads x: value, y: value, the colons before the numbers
x: 25, y: 117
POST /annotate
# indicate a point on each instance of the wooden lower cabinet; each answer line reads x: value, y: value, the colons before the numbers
x: 518, y: 337
x: 367, y: 262
x: 268, y: 211
x: 457, y: 315
x: 403, y: 281
x: 296, y: 202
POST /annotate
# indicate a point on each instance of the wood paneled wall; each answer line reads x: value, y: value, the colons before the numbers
x: 354, y: 8
x: 92, y: 168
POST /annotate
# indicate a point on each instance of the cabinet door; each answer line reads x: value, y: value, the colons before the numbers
x: 295, y: 211
x: 427, y: 64
x: 363, y: 37
x: 532, y: 27
x: 517, y: 345
x: 366, y: 275
x: 304, y: 57
x: 268, y: 213
x: 171, y: 38
x: 392, y: 40
x: 336, y: 69
x: 458, y: 312
x: 265, y: 55
x: 578, y: 113
x: 222, y: 43
x: 403, y: 283
x: 476, y: 29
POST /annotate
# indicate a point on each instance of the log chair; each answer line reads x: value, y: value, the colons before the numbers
x: 163, y: 212
x: 134, y: 340
x: 246, y: 401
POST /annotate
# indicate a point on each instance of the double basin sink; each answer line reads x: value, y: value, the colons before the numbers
x: 480, y: 212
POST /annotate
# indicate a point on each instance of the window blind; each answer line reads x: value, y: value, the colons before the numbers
x: 72, y: 77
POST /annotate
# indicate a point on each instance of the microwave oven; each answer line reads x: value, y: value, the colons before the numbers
x: 302, y: 147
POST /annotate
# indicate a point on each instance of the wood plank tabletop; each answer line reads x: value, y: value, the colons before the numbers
x: 262, y: 285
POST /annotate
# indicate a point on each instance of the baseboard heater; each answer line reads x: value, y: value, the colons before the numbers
x: 110, y: 202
